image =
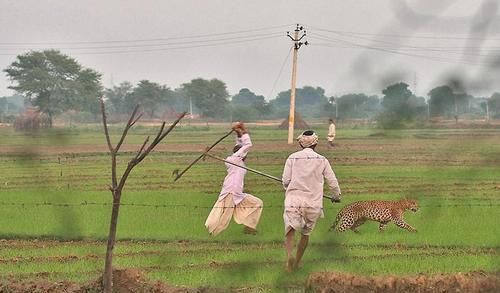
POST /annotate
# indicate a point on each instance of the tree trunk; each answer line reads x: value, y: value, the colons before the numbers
x: 50, y: 119
x: 49, y: 111
x: 107, y: 277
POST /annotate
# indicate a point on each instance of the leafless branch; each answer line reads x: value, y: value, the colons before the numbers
x: 159, y: 137
x: 138, y: 117
x: 127, y: 171
x: 131, y: 121
x: 141, y: 149
x: 172, y: 126
x: 110, y: 146
x: 105, y: 124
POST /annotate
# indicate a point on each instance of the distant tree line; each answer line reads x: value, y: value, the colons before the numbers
x: 57, y: 84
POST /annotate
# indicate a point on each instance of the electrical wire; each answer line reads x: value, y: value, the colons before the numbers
x: 405, y: 36
x: 210, y: 44
x: 441, y: 49
x: 392, y: 51
x: 280, y: 72
x: 145, y: 40
x: 162, y: 44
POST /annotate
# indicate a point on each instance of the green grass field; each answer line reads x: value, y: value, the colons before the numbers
x: 55, y: 206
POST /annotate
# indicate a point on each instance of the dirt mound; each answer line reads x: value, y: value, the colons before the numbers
x: 298, y: 122
x: 460, y: 282
x: 124, y: 281
x: 378, y: 134
x: 133, y: 281
x: 15, y: 286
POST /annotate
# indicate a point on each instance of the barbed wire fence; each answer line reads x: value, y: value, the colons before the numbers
x: 83, y: 204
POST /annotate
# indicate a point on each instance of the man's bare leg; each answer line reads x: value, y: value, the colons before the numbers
x: 289, y: 245
x: 304, y: 240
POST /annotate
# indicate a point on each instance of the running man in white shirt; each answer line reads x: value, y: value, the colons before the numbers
x: 245, y: 208
x: 303, y: 177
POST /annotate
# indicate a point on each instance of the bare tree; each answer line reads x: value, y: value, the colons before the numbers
x: 117, y: 186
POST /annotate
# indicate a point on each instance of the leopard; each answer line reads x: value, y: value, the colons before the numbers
x: 383, y: 211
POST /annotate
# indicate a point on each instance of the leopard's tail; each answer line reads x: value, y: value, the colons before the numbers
x: 337, y: 219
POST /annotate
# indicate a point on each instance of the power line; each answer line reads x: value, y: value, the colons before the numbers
x: 280, y: 72
x: 164, y: 49
x: 275, y: 34
x: 406, y: 36
x: 442, y: 49
x: 394, y: 47
x: 147, y: 40
x: 382, y: 49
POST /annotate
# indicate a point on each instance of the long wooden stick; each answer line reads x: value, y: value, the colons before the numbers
x: 250, y: 169
x: 243, y: 167
x: 179, y: 174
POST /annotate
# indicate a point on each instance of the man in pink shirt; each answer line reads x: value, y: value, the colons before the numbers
x: 233, y: 202
x: 303, y: 178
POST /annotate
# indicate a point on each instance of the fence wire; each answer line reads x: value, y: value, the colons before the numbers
x: 88, y: 204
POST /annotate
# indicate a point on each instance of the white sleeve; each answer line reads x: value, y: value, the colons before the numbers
x: 331, y: 179
x: 246, y: 144
x: 287, y: 173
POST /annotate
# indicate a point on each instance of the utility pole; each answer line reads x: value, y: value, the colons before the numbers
x: 456, y: 108
x: 296, y: 46
x: 415, y: 83
x: 429, y: 109
x: 487, y: 112
x: 191, y: 108
x: 336, y: 108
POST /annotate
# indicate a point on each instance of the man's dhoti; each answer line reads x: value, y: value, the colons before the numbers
x: 300, y: 216
x: 247, y: 212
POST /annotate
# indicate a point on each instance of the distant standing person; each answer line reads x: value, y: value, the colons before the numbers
x: 303, y: 179
x: 331, y: 133
x: 233, y: 202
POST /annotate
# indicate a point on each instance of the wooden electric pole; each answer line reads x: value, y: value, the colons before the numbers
x: 487, y: 111
x: 296, y: 46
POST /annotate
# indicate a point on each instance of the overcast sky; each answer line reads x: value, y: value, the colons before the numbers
x: 355, y: 45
